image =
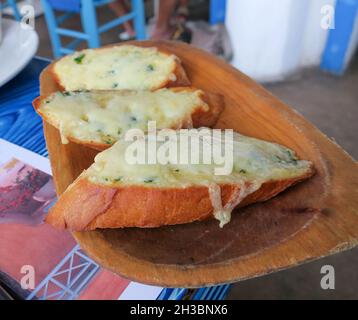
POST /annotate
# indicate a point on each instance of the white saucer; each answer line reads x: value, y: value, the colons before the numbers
x: 19, y: 44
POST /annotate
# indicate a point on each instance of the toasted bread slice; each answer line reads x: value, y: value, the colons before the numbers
x: 113, y: 193
x: 99, y: 118
x: 124, y: 67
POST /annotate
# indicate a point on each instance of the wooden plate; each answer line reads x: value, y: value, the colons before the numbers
x: 311, y: 220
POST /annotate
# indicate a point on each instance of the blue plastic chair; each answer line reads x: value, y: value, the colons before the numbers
x: 334, y: 58
x: 91, y: 30
x: 217, y: 11
x: 12, y: 4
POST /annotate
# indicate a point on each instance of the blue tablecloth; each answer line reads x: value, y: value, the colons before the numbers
x: 19, y: 123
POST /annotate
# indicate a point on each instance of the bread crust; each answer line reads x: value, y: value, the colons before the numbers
x: 181, y: 78
x: 88, y: 206
x: 199, y: 117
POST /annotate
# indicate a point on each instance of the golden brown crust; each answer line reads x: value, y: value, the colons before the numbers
x: 199, y: 118
x: 51, y: 70
x: 181, y: 78
x: 88, y: 206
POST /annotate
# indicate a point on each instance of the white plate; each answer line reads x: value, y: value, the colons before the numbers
x: 19, y: 44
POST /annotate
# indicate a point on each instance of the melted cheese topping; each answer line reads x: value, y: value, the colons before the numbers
x: 104, y: 116
x: 254, y: 162
x: 122, y: 67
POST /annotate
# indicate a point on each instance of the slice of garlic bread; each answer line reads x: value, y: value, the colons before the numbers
x: 99, y: 118
x: 113, y: 193
x: 124, y: 67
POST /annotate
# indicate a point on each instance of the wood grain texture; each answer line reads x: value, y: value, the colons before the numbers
x: 314, y: 219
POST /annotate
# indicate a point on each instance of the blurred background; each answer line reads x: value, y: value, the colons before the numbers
x: 303, y: 51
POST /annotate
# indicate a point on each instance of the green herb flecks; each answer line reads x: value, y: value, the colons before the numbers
x: 150, y: 68
x: 114, y: 85
x: 106, y: 138
x: 79, y: 58
x: 291, y: 156
x: 149, y: 180
x: 277, y: 158
x: 108, y: 141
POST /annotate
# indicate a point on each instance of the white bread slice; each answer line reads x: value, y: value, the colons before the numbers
x: 123, y: 67
x: 114, y: 194
x: 99, y: 118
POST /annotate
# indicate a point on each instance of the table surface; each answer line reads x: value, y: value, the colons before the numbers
x: 20, y: 125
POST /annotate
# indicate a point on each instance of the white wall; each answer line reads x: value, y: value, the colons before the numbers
x: 273, y: 39
x: 267, y: 36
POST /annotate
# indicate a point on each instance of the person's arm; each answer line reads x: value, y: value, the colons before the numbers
x: 120, y: 9
x: 163, y: 29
